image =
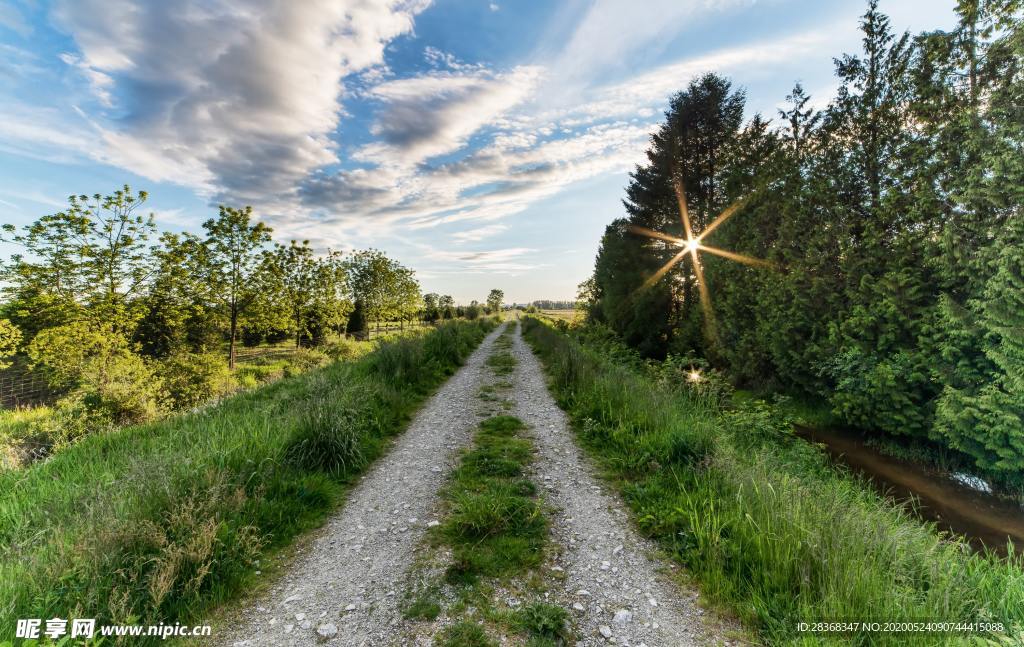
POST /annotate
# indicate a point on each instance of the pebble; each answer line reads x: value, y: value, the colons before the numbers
x: 622, y: 617
x: 327, y: 631
x: 605, y: 631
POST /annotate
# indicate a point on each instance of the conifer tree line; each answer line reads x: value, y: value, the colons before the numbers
x: 892, y: 222
x: 96, y: 288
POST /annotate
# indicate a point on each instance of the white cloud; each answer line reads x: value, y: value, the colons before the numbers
x: 611, y: 30
x: 434, y: 114
x: 234, y: 98
x: 478, y: 234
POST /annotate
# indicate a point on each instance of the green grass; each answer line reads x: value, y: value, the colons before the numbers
x: 466, y: 634
x: 763, y: 522
x: 159, y: 522
x: 495, y: 524
x: 496, y: 530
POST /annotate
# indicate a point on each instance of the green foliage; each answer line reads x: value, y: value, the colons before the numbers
x: 764, y: 523
x: 10, y: 339
x: 494, y: 300
x: 884, y: 217
x: 387, y: 290
x: 987, y: 421
x: 161, y: 521
x: 191, y: 379
x: 544, y: 621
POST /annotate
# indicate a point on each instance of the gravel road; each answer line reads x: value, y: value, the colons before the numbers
x: 614, y: 585
x: 345, y: 586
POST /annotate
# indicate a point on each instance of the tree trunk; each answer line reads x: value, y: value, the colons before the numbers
x: 231, y: 343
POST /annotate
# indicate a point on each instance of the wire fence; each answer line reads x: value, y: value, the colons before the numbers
x: 22, y: 387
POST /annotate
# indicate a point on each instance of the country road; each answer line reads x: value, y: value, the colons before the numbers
x: 346, y: 585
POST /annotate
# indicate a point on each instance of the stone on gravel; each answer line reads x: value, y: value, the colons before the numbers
x: 605, y: 631
x: 326, y: 631
x: 623, y: 617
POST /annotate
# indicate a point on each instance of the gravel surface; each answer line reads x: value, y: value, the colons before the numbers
x: 345, y: 587
x: 614, y: 586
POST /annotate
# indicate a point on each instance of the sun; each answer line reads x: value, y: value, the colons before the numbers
x: 693, y: 244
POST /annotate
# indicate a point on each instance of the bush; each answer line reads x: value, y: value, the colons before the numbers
x: 305, y: 359
x: 193, y: 378
x: 121, y: 387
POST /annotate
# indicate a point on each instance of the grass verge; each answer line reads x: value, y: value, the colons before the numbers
x: 156, y: 523
x: 765, y: 524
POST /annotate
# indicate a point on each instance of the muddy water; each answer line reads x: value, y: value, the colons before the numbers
x: 983, y: 519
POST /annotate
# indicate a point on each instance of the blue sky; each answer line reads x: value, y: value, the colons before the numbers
x: 482, y: 143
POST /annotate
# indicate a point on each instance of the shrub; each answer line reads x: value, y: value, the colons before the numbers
x: 193, y: 378
x: 122, y: 387
x: 305, y: 359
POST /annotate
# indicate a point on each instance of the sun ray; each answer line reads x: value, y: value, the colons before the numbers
x: 710, y: 329
x: 739, y: 258
x: 692, y: 245
x: 654, y: 278
x: 684, y: 211
x: 650, y: 233
x: 722, y: 217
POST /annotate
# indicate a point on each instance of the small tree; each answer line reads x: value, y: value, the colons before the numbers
x: 494, y: 300
x: 232, y: 264
x: 430, y: 309
x: 310, y: 289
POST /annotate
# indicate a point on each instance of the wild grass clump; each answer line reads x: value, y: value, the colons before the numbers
x: 156, y: 523
x: 546, y: 624
x: 466, y: 634
x: 762, y: 520
x: 495, y: 524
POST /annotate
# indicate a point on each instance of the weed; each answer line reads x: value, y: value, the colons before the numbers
x: 543, y: 622
x: 466, y: 634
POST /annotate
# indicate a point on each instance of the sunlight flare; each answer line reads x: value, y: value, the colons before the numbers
x: 691, y: 245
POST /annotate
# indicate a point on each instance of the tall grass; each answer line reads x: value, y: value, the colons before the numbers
x: 763, y: 522
x: 158, y: 522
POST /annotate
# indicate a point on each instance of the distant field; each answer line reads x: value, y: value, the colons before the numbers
x: 567, y: 315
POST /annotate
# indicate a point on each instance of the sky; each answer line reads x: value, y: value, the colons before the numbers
x: 485, y: 144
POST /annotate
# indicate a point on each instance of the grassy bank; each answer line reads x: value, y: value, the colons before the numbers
x: 158, y: 522
x: 762, y: 521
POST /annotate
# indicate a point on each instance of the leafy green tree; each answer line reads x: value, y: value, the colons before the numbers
x: 431, y: 311
x: 494, y: 300
x: 313, y: 291
x: 386, y: 288
x: 92, y: 259
x: 232, y: 264
x: 987, y: 421
x: 446, y: 304
x: 10, y: 340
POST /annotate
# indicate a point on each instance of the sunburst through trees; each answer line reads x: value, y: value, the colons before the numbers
x: 691, y: 246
